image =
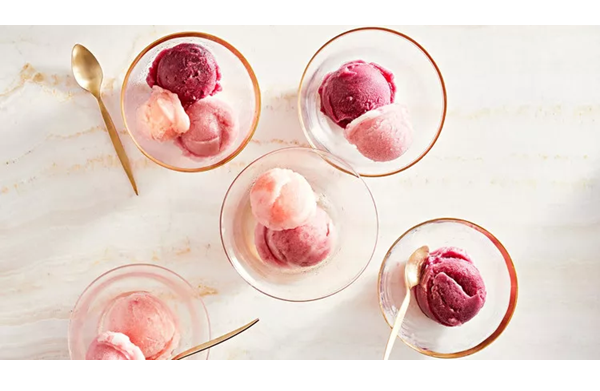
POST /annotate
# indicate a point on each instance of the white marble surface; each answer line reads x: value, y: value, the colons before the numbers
x: 519, y: 155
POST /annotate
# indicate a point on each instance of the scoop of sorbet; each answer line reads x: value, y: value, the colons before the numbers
x: 113, y: 346
x: 451, y: 290
x: 282, y: 199
x: 146, y: 320
x: 306, y: 245
x: 382, y: 134
x: 189, y: 70
x: 213, y: 128
x: 355, y: 88
x: 162, y: 116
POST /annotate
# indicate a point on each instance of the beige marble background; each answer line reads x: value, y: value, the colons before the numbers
x: 519, y: 155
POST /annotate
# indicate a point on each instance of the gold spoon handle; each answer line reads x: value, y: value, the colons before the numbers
x: 397, y: 325
x: 114, y: 137
x: 214, y: 342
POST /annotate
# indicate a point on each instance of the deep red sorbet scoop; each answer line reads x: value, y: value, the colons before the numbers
x: 451, y: 290
x: 188, y: 70
x: 355, y: 88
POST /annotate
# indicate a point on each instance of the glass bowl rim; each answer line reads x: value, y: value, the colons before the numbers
x: 326, y: 158
x: 132, y: 266
x: 422, y: 49
x: 251, y: 74
x: 512, y: 303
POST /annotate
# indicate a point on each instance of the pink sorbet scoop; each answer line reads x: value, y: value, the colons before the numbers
x: 306, y: 245
x: 146, y: 320
x: 282, y: 199
x: 355, y: 88
x: 451, y: 290
x: 162, y: 116
x: 189, y: 70
x: 113, y: 346
x: 213, y: 128
x: 382, y: 134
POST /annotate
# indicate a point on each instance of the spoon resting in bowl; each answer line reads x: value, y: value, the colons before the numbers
x: 412, y: 277
x: 214, y: 342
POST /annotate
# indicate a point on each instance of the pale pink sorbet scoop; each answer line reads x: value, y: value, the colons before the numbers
x: 382, y: 134
x: 113, y: 346
x: 146, y: 320
x: 162, y: 116
x: 303, y: 246
x: 282, y: 199
x: 213, y: 128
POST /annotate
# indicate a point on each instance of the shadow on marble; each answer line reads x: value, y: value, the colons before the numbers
x: 279, y: 124
x: 352, y: 330
x: 360, y: 322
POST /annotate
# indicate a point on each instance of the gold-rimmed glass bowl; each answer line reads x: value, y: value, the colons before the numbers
x: 347, y: 200
x: 240, y: 90
x: 497, y: 270
x: 420, y: 87
x: 175, y: 292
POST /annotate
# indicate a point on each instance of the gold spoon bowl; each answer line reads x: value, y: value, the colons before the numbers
x: 412, y: 277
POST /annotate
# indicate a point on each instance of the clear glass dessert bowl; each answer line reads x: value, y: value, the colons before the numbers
x: 240, y: 91
x: 185, y: 303
x: 497, y: 271
x: 347, y: 200
x: 419, y: 87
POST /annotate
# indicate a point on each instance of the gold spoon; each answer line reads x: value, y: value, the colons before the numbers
x: 412, y: 276
x: 214, y: 342
x: 88, y: 74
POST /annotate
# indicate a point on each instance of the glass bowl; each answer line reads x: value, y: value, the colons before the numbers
x: 240, y: 90
x: 346, y: 199
x: 497, y: 270
x: 183, y: 300
x: 420, y: 87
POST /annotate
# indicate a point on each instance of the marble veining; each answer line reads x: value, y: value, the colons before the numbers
x: 519, y: 154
